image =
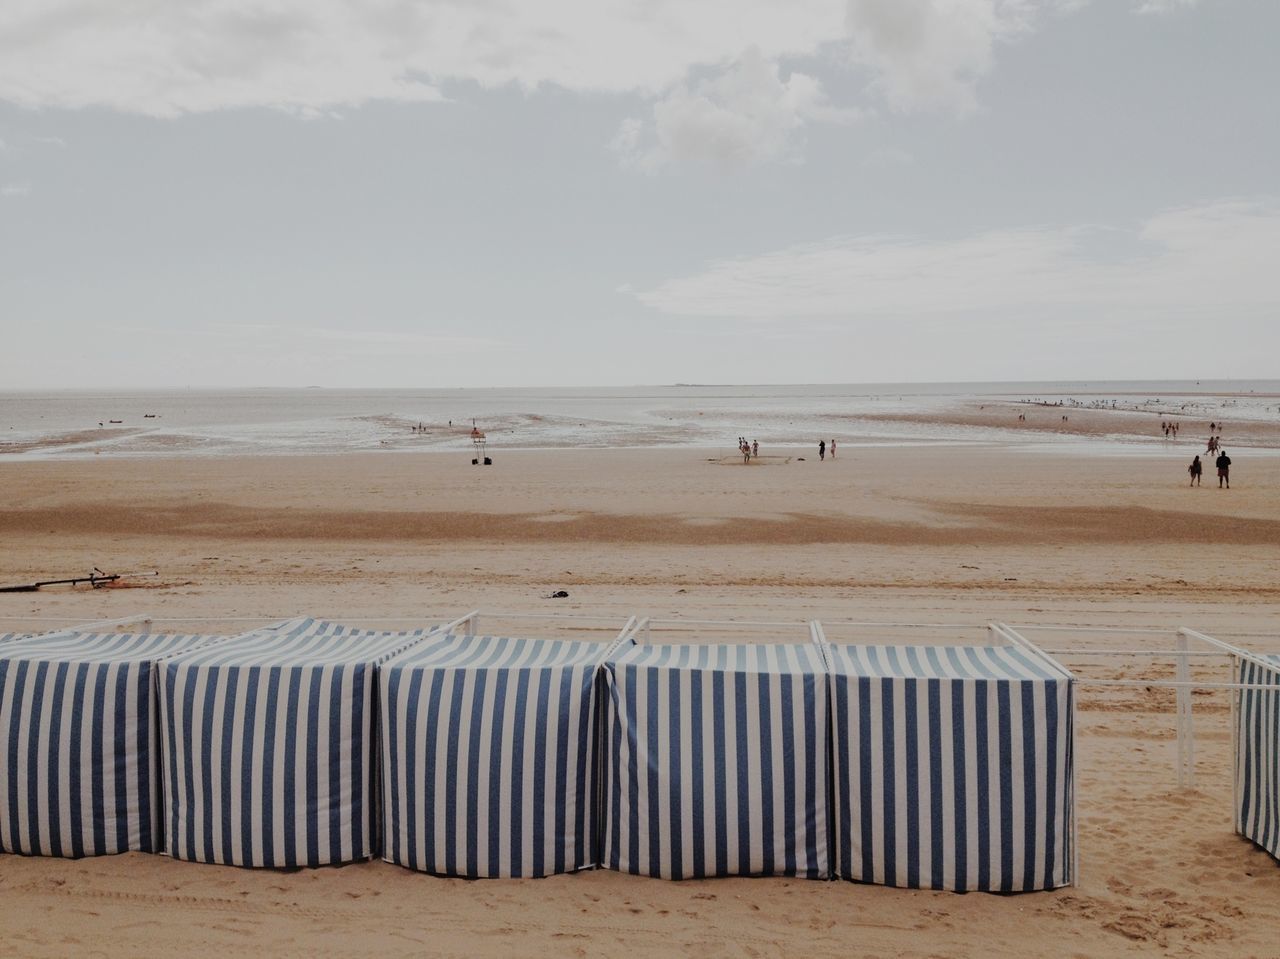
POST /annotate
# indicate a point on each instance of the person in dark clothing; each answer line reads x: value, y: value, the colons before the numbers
x: 1223, y: 462
x: 822, y: 449
x: 1195, y: 469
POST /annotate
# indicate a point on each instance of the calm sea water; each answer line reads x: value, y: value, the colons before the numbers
x: 274, y: 421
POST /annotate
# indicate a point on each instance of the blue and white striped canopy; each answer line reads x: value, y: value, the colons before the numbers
x: 488, y: 756
x: 716, y: 761
x: 80, y: 771
x: 1258, y: 754
x: 952, y: 766
x: 5, y: 637
x: 269, y: 745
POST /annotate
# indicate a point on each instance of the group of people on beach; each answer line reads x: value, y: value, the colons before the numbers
x: 1170, y: 429
x: 1222, y: 461
x: 822, y: 449
x: 748, y: 450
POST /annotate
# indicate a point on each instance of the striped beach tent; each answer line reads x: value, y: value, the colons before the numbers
x: 269, y: 745
x: 952, y: 767
x: 79, y: 775
x: 5, y: 637
x: 1258, y: 753
x: 716, y: 761
x: 488, y: 756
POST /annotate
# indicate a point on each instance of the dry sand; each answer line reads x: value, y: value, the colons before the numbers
x: 943, y: 535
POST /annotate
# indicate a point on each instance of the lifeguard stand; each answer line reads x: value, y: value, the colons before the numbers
x: 479, y: 446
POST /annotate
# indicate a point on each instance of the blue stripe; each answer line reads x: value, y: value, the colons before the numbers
x: 120, y: 762
x: 789, y: 818
x: 311, y: 737
x: 540, y: 773
x: 654, y: 802
x: 890, y: 798
x: 293, y: 689
x: 228, y: 739
x: 960, y: 768
x: 496, y: 794
x: 206, y: 852
x: 1029, y: 798
x: 74, y: 755
x: 97, y: 750
x: 698, y: 772
x: 937, y: 875
x: 865, y: 730
x: 247, y: 766
x: 1051, y: 781
x: 451, y: 796
x: 1006, y: 787
x: 982, y: 747
x: 766, y: 776
x: 718, y: 720
x: 32, y: 845
x: 911, y: 721
x: 55, y: 741
x: 676, y: 841
x: 266, y: 823
x: 518, y: 773
x: 431, y: 800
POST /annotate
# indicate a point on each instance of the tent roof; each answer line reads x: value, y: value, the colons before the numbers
x: 304, y: 642
x: 499, y: 652
x: 101, y: 647
x: 5, y: 637
x: 939, y: 662
x: 780, y: 658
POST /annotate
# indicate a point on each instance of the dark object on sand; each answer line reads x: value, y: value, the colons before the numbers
x: 559, y: 594
x: 97, y: 579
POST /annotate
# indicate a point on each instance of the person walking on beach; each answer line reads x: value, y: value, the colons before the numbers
x: 1223, y: 462
x: 833, y: 447
x: 1195, y: 469
x: 755, y: 448
x: 822, y: 450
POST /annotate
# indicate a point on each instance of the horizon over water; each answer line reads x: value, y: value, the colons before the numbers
x: 308, y: 420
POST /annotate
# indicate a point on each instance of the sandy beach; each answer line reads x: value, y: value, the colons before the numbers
x: 935, y: 535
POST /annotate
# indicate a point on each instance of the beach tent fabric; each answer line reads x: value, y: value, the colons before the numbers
x: 716, y: 761
x: 269, y: 745
x: 488, y: 756
x: 952, y: 767
x: 79, y: 774
x: 1258, y: 756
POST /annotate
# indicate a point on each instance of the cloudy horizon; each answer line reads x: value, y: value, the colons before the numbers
x: 221, y: 193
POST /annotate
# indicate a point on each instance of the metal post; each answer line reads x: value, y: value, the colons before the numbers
x: 1237, y: 676
x: 1183, y: 710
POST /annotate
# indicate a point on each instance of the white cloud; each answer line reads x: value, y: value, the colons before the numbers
x: 1206, y: 260
x: 930, y: 53
x: 745, y: 114
x: 164, y: 59
x: 15, y: 189
x: 1165, y: 6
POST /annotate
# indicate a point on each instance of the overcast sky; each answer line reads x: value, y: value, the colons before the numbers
x: 475, y: 193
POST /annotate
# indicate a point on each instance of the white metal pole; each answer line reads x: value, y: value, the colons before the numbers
x: 1183, y: 694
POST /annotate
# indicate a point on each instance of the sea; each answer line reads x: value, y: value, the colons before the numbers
x: 1124, y: 417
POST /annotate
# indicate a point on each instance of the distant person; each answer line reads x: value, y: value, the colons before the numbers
x: 833, y: 448
x: 1195, y: 469
x: 822, y: 450
x: 1213, y: 427
x: 755, y: 448
x: 1223, y: 462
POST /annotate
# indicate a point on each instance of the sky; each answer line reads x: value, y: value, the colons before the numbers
x: 590, y: 192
